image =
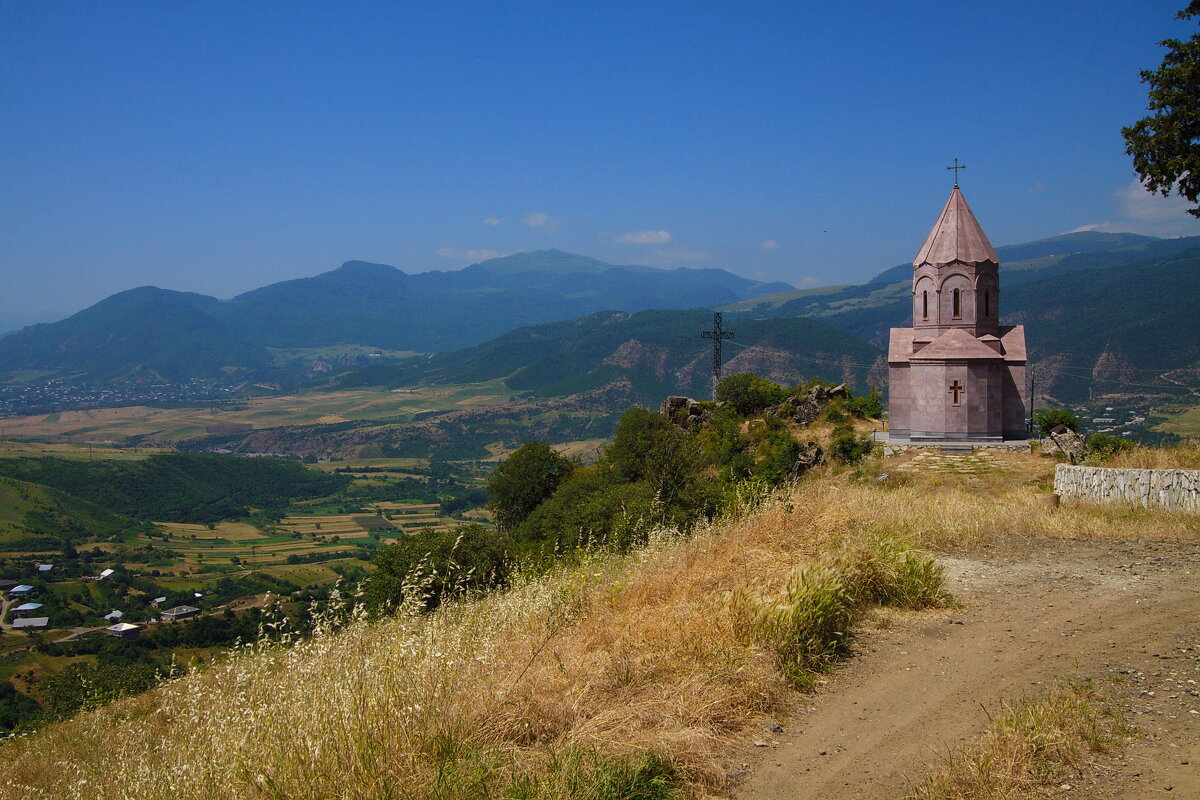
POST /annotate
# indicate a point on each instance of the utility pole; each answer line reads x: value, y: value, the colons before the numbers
x: 717, y: 335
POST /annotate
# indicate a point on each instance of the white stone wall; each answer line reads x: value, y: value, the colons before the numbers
x: 1177, y: 489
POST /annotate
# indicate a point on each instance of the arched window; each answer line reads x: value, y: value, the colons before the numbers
x: 925, y: 305
x: 987, y: 303
x: 957, y: 303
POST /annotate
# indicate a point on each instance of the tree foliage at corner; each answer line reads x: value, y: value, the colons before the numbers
x: 529, y: 476
x: 1166, y: 145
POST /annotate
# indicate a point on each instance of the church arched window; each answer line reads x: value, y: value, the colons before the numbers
x: 957, y: 303
x: 987, y: 303
x: 925, y: 305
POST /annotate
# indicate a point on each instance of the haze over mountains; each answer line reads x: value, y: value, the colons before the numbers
x: 1138, y: 291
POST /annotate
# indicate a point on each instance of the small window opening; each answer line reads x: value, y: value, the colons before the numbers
x: 925, y: 305
x: 987, y: 303
x: 957, y: 303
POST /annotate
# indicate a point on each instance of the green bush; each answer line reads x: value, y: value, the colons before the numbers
x: 850, y: 449
x: 424, y: 568
x: 869, y: 407
x: 523, y: 481
x: 749, y: 394
x: 1046, y: 421
x: 1101, y: 446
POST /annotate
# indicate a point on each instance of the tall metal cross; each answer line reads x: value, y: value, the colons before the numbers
x: 716, y: 334
x: 956, y: 168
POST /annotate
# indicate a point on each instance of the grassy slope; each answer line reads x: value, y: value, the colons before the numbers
x: 619, y: 671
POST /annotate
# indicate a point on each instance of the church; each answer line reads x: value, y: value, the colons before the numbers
x: 957, y: 375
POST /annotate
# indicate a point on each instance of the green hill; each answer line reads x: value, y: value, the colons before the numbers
x: 36, y: 518
x: 176, y: 487
x: 145, y: 334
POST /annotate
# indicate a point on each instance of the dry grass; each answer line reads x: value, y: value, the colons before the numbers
x: 619, y: 677
x: 619, y: 672
x: 1030, y: 748
x: 1185, y: 455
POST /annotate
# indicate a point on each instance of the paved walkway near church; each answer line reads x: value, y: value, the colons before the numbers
x: 1033, y: 612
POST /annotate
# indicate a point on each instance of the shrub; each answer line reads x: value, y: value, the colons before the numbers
x: 1102, y: 446
x: 748, y: 393
x: 1046, y: 421
x: 850, y: 449
x: 433, y: 564
x: 870, y: 407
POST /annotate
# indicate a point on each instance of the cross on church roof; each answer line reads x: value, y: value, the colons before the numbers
x: 956, y: 168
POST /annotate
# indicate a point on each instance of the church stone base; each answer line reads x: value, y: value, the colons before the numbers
x: 894, y: 445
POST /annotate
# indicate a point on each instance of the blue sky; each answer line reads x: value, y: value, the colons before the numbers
x: 217, y: 147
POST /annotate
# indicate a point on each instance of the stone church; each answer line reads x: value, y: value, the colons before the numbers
x: 957, y: 375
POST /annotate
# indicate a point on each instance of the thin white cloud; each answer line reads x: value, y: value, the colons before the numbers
x: 1148, y: 213
x: 537, y: 219
x: 645, y: 237
x: 493, y: 221
x: 770, y: 244
x: 809, y: 281
x: 467, y: 255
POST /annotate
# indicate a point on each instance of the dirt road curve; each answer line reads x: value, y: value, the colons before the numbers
x: 1033, y: 611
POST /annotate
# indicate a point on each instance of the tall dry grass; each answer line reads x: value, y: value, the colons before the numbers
x: 1185, y: 455
x: 620, y: 674
x: 1030, y: 747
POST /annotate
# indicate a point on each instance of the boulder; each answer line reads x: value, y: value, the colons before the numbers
x: 684, y: 411
x: 1068, y: 442
x: 810, y: 456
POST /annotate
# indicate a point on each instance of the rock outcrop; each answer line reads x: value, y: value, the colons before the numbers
x: 810, y: 456
x: 804, y: 410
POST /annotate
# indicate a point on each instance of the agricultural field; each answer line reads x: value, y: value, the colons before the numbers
x: 1185, y: 424
x: 163, y: 425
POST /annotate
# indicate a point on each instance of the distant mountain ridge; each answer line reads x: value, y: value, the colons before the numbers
x: 157, y: 334
x: 658, y: 352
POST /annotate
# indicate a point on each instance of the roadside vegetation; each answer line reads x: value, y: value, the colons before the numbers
x: 1034, y: 747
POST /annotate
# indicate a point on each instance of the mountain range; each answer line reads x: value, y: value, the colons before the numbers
x: 158, y: 334
x: 1104, y: 312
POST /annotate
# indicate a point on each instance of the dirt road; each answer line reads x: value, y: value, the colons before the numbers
x: 1033, y: 611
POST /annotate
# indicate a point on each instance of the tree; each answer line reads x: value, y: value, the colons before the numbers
x: 436, y: 563
x: 748, y: 393
x: 1048, y: 420
x: 1166, y: 145
x: 525, y: 480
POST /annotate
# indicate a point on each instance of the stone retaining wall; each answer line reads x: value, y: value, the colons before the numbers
x: 1177, y: 489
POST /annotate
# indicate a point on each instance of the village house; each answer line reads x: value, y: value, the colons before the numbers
x: 124, y: 630
x: 31, y: 622
x: 179, y: 612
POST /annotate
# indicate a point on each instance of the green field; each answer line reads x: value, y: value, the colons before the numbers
x: 1186, y: 423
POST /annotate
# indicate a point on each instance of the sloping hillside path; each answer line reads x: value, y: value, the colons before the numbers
x: 1033, y: 611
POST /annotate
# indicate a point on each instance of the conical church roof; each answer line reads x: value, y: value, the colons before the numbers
x: 956, y: 236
